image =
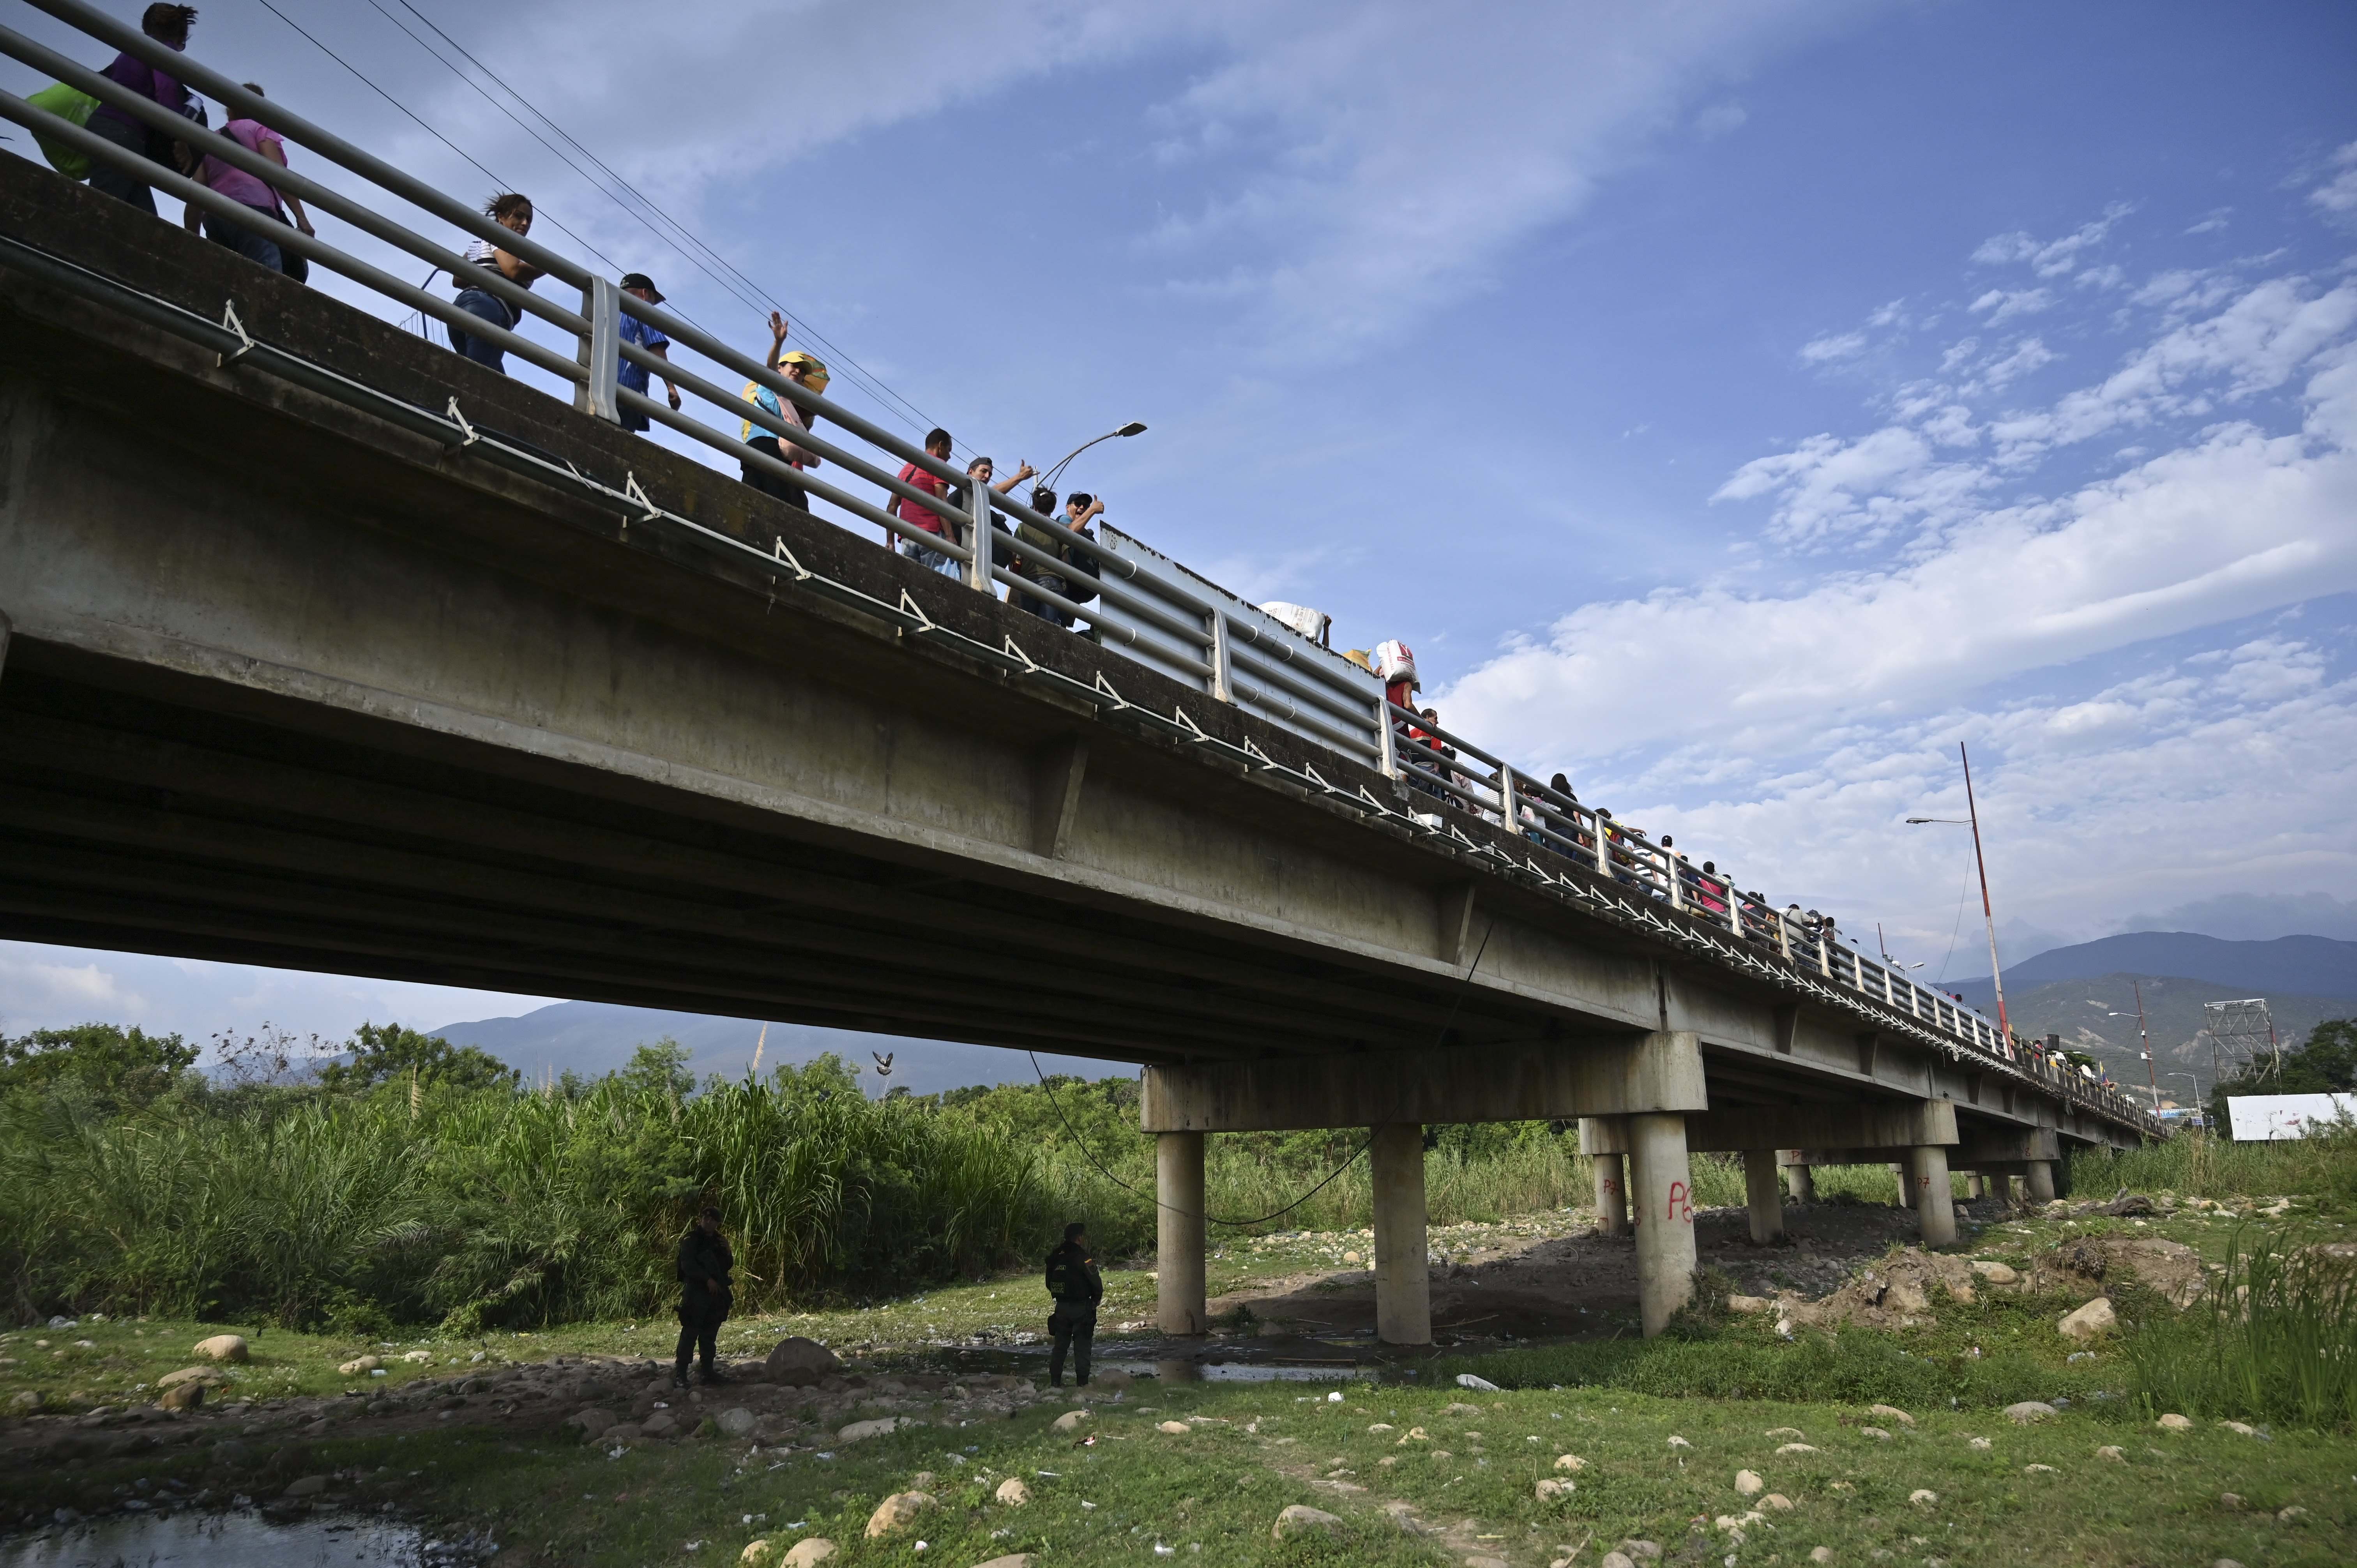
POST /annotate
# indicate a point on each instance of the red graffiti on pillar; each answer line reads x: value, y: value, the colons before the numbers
x: 1612, y: 1186
x: 1679, y: 1209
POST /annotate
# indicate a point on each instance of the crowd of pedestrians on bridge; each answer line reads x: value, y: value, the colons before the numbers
x: 772, y: 462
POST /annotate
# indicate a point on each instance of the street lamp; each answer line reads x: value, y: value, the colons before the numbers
x: 1135, y: 427
x: 1973, y: 818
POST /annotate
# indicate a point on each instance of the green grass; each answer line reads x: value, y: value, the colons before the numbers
x: 2275, y: 1338
x: 2322, y: 1168
x: 1221, y: 1484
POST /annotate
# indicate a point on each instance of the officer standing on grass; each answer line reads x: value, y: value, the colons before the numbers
x: 1073, y: 1280
x: 704, y: 1261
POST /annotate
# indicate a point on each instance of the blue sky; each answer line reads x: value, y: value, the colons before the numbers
x: 1736, y: 405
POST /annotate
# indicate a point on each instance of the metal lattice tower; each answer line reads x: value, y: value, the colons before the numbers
x: 2243, y: 1035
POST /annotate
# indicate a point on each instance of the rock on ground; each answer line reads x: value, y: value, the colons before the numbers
x: 2091, y: 1322
x: 737, y: 1422
x: 360, y: 1365
x: 1012, y: 1560
x: 1013, y: 1492
x: 1550, y: 1489
x: 1175, y: 1428
x: 896, y: 1512
x: 795, y: 1359
x: 2174, y: 1424
x: 1300, y: 1520
x: 1749, y: 1483
x: 2027, y: 1410
x: 1616, y: 1560
x: 808, y: 1553
x: 1570, y: 1461
x: 1893, y: 1412
x: 859, y: 1431
x: 1068, y: 1421
x: 223, y: 1347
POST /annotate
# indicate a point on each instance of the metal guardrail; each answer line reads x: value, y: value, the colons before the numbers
x: 1147, y: 606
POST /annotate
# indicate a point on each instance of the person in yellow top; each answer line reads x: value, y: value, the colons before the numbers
x: 804, y: 370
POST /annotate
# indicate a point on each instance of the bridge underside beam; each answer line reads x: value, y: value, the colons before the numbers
x: 1896, y: 1124
x: 1510, y: 1083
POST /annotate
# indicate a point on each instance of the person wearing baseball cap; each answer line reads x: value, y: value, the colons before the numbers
x: 804, y: 370
x: 634, y: 330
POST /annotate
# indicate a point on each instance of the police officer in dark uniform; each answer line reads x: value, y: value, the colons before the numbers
x: 1073, y: 1280
x: 704, y: 1261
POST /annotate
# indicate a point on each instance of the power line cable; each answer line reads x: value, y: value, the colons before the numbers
x: 421, y: 125
x: 1447, y: 1023
x: 736, y: 282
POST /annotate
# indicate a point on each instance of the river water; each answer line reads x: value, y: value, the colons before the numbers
x: 190, y: 1539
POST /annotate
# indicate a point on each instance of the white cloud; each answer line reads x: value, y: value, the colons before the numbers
x: 1838, y: 346
x: 2049, y: 258
x: 2338, y: 195
x: 2005, y: 303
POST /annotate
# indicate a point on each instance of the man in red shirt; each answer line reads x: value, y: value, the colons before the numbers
x: 937, y: 445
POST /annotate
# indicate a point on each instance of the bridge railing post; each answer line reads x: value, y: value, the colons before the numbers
x: 977, y: 571
x: 602, y: 349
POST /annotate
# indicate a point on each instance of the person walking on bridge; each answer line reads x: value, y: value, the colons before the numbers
x: 168, y: 26
x: 512, y: 212
x: 253, y: 242
x: 1073, y: 1280
x: 805, y: 371
x: 637, y: 286
x: 704, y: 1261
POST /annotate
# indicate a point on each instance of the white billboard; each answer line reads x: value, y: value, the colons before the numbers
x: 2258, y: 1118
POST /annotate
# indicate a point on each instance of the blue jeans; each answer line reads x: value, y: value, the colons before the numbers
x: 948, y: 567
x: 251, y: 244
x: 474, y: 302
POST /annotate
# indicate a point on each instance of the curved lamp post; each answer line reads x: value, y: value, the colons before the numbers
x: 1973, y: 820
x: 1135, y: 427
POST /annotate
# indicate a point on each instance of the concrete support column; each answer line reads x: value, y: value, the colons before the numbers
x: 1611, y: 1195
x: 1974, y: 1190
x: 1905, y: 1196
x: 1805, y: 1182
x: 2040, y: 1181
x: 1660, y: 1195
x: 2007, y: 1190
x: 1179, y: 1233
x: 1935, y: 1196
x: 1764, y: 1196
x: 1403, y: 1282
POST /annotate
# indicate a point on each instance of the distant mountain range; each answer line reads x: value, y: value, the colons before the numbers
x: 2073, y: 992
x: 593, y: 1038
x: 2311, y: 966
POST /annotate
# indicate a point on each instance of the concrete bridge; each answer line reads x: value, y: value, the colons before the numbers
x: 327, y: 649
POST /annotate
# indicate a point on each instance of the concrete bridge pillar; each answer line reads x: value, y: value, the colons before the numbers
x: 1403, y: 1282
x: 2040, y: 1181
x: 1660, y: 1195
x: 2005, y: 1190
x: 1973, y: 1189
x: 1935, y: 1201
x: 1179, y: 1233
x: 1611, y: 1195
x: 1805, y: 1182
x: 1764, y: 1195
x: 1906, y: 1194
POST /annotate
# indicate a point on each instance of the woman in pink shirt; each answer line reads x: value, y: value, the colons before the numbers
x: 253, y: 243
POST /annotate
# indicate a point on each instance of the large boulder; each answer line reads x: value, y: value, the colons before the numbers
x: 223, y: 1347
x: 883, y: 1426
x: 897, y: 1513
x: 737, y: 1422
x: 360, y: 1365
x: 593, y: 1422
x: 1013, y: 1492
x: 800, y: 1361
x: 808, y: 1553
x: 2091, y: 1322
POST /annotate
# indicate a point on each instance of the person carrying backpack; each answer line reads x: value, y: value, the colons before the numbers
x: 1073, y: 1280
x: 168, y: 26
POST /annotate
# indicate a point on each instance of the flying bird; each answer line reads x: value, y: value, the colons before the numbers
x: 884, y: 1063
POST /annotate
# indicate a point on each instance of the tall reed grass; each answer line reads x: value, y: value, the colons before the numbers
x: 2275, y: 1338
x: 2196, y: 1165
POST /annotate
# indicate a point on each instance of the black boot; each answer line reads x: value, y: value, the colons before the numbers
x: 713, y: 1374
x: 679, y: 1376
